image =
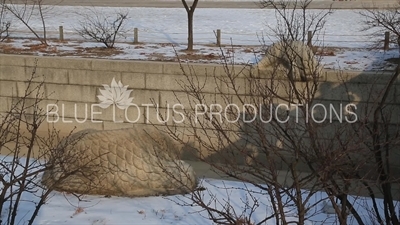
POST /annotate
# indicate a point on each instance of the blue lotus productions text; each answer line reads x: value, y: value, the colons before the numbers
x: 199, y: 113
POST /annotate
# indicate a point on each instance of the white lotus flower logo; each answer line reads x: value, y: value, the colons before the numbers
x: 116, y: 94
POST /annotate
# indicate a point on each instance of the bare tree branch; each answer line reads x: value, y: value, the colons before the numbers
x: 102, y: 28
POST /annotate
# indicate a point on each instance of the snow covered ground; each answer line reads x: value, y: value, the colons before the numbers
x: 162, y: 31
x: 168, y: 25
x: 65, y: 208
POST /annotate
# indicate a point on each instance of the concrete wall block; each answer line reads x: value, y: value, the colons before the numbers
x: 48, y: 75
x: 197, y: 69
x: 141, y: 97
x: 144, y: 67
x: 179, y: 82
x: 172, y: 98
x: 31, y: 90
x: 126, y: 66
x: 260, y: 87
x: 5, y: 104
x: 51, y: 75
x: 34, y: 89
x: 191, y: 102
x: 243, y: 71
x: 34, y: 61
x: 79, y: 77
x: 8, y: 88
x: 239, y: 85
x: 269, y: 73
x: 13, y: 73
x: 114, y: 114
x: 58, y: 62
x: 93, y: 77
x: 365, y: 77
x: 164, y: 82
x: 12, y: 60
x: 210, y: 70
x: 160, y: 116
x: 134, y: 80
x: 73, y: 93
x: 175, y: 68
x: 209, y: 99
x: 356, y: 92
x: 336, y: 76
x: 240, y: 101
x: 22, y: 88
x: 279, y: 88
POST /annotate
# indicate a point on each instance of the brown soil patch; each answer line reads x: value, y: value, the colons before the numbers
x: 28, y: 49
x: 199, y: 56
x: 42, y: 48
x: 350, y: 62
x: 32, y: 49
x: 98, y: 51
x: 7, y: 40
x: 249, y: 50
x: 159, y: 57
x: 184, y: 57
x: 7, y: 49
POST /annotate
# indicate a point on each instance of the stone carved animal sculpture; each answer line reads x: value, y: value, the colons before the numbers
x: 292, y: 58
x: 126, y: 162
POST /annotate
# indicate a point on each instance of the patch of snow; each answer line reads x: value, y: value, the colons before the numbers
x: 238, y: 26
x: 361, y: 59
x: 64, y: 208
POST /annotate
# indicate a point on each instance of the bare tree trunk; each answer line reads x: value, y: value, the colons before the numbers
x: 190, y: 13
x: 190, y: 31
x: 43, y: 22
